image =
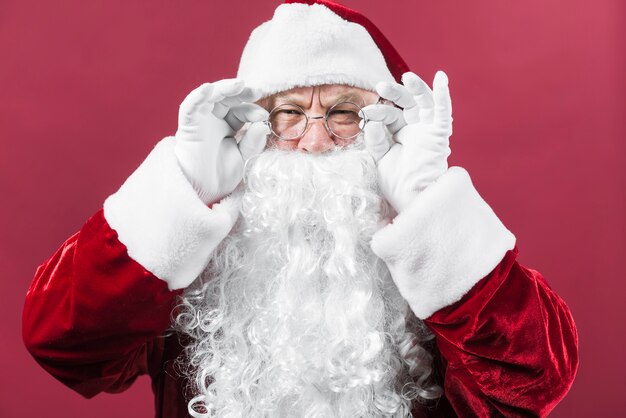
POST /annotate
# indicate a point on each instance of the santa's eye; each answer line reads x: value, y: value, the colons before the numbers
x: 290, y: 112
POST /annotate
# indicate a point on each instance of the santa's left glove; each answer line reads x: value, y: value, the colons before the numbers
x: 157, y: 214
x: 420, y: 126
x: 445, y: 238
x: 206, y: 148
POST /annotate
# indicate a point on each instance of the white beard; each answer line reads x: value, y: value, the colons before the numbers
x: 295, y: 316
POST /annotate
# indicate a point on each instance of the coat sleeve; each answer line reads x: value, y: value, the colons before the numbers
x: 510, y: 344
x: 96, y: 309
x: 92, y: 314
x: 509, y: 341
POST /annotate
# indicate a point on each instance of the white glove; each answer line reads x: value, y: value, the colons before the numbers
x: 421, y: 131
x: 206, y: 148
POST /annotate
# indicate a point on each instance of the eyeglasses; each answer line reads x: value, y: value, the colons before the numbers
x: 344, y: 120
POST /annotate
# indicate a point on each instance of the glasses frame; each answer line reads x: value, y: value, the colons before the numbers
x: 325, y: 117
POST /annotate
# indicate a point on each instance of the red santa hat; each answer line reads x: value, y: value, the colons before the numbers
x: 315, y: 42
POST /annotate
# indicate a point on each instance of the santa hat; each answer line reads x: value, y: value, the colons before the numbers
x: 315, y: 42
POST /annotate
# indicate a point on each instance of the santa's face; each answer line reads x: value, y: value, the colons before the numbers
x: 315, y: 102
x: 295, y: 316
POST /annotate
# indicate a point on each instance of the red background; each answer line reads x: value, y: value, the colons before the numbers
x: 86, y: 89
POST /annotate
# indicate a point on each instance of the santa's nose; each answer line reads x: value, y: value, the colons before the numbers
x: 316, y: 138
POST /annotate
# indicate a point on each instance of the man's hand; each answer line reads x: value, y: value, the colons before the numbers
x: 206, y: 147
x: 421, y: 132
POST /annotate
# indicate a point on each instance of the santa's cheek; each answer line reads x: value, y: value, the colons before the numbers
x: 282, y: 145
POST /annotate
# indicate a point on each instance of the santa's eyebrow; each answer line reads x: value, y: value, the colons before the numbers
x: 287, y: 98
x: 352, y: 97
x: 284, y: 98
x: 328, y: 101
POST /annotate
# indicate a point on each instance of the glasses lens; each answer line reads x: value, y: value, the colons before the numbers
x: 344, y: 120
x: 287, y: 121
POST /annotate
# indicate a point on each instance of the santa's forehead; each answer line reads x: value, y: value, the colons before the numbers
x: 325, y: 94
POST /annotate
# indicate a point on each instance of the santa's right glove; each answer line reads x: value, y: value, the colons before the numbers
x: 421, y: 131
x: 445, y: 237
x: 206, y: 148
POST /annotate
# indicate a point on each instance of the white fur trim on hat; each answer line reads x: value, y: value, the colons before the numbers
x: 163, y: 223
x: 443, y: 243
x: 309, y: 45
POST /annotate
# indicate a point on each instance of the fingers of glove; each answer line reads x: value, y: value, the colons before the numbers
x: 224, y: 95
x: 192, y: 103
x: 247, y: 95
x: 390, y: 116
x: 443, y: 103
x: 401, y: 96
x: 201, y: 99
x: 238, y: 115
x: 197, y: 95
x: 254, y: 140
x: 422, y: 94
x: 225, y: 88
x: 220, y: 110
x: 213, y: 92
x: 397, y: 93
x: 376, y: 139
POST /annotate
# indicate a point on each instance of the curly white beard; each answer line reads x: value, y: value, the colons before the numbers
x: 295, y: 316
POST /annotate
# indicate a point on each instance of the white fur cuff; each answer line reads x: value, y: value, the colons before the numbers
x: 163, y: 223
x: 442, y: 244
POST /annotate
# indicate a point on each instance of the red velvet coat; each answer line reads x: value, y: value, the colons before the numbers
x: 96, y: 319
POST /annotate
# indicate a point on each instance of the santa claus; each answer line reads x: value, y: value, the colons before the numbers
x: 300, y: 248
